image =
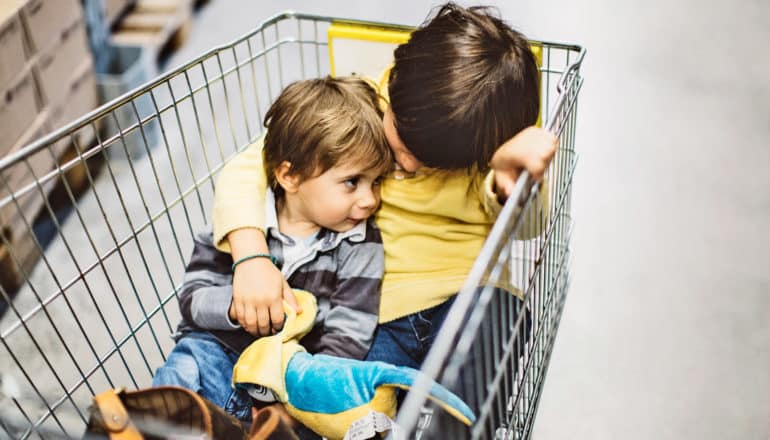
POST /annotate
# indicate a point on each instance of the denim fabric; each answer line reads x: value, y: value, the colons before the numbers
x: 200, y: 363
x: 406, y: 341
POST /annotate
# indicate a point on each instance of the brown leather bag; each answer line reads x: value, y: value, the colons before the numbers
x: 159, y: 413
x: 174, y: 412
x: 272, y: 423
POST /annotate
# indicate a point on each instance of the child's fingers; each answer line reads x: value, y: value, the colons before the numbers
x: 505, y: 181
x: 248, y: 319
x: 263, y: 321
x: 288, y: 295
x: 276, y: 317
x: 541, y: 159
x: 508, y: 186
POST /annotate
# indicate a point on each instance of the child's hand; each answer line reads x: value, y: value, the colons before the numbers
x: 258, y: 286
x: 258, y: 293
x: 531, y: 149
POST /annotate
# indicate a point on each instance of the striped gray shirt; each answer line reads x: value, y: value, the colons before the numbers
x: 343, y: 271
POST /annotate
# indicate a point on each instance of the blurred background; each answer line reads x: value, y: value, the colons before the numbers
x: 666, y: 330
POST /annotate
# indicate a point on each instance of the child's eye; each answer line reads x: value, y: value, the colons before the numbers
x: 377, y: 181
x: 352, y: 182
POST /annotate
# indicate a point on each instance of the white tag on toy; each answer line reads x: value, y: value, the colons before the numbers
x: 367, y: 426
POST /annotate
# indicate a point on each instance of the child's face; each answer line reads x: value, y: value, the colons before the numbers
x: 340, y: 198
x: 403, y: 156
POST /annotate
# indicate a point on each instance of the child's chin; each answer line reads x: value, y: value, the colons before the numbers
x: 345, y: 226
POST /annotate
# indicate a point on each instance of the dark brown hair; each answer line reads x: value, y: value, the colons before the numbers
x: 317, y: 124
x: 463, y: 85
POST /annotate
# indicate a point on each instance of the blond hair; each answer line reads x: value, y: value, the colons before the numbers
x: 321, y: 123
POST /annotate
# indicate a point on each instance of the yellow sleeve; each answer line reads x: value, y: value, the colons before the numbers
x: 488, y: 197
x: 239, y: 198
x: 537, y: 216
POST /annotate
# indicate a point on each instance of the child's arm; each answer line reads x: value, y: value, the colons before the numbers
x: 532, y: 149
x: 206, y: 293
x: 348, y: 328
x: 239, y: 206
x: 239, y: 199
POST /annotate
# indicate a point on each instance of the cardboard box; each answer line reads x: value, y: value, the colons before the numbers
x: 11, y: 42
x: 55, y: 65
x: 82, y: 97
x: 159, y: 25
x: 34, y: 182
x: 18, y: 109
x: 20, y: 175
x: 21, y: 253
x: 113, y: 9
x: 45, y: 20
x: 33, y: 179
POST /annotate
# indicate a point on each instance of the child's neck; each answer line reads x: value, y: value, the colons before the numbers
x: 291, y: 220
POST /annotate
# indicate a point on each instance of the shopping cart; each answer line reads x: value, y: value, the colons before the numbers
x: 97, y: 310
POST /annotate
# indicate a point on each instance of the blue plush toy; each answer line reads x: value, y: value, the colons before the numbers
x: 326, y: 393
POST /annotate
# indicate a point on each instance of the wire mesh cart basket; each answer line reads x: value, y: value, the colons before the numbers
x: 98, y: 265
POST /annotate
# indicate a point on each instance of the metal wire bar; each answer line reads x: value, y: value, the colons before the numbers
x: 152, y: 222
x: 254, y: 84
x: 301, y: 50
x: 200, y: 128
x: 317, y: 53
x: 280, y: 59
x: 139, y: 247
x: 227, y: 104
x: 243, y: 99
x: 177, y: 183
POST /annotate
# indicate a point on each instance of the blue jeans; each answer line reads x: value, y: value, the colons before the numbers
x: 406, y: 341
x: 200, y: 363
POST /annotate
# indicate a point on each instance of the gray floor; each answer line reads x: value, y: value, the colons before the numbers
x: 666, y: 332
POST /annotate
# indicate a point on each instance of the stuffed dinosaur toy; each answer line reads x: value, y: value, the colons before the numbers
x: 326, y: 393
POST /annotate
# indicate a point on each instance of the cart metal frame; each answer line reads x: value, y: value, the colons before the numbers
x: 97, y: 310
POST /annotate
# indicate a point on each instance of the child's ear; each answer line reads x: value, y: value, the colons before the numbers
x: 286, y: 178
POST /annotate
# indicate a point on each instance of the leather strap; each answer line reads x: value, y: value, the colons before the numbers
x: 115, y: 417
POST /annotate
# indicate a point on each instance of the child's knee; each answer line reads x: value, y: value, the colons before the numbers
x: 181, y: 369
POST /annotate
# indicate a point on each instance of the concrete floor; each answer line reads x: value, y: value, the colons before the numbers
x: 666, y: 332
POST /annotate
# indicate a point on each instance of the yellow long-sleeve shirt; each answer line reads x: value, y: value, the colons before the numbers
x: 433, y: 226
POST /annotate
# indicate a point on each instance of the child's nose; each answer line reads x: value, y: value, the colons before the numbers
x: 368, y: 199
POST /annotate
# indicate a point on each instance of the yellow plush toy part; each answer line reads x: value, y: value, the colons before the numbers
x: 326, y: 393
